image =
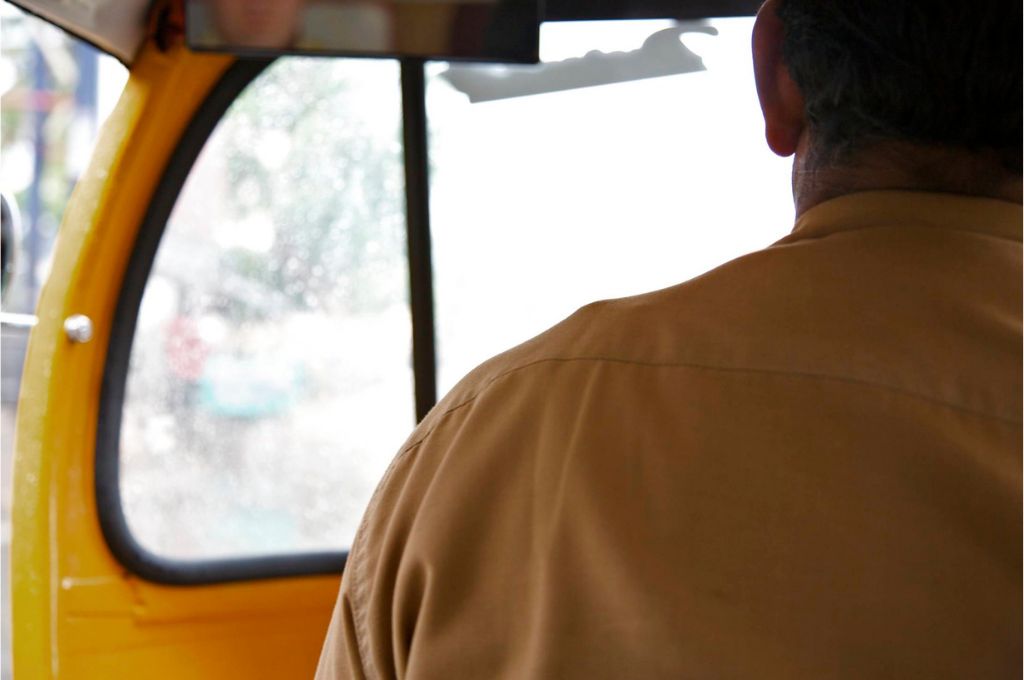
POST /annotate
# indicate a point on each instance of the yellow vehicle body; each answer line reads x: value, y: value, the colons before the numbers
x: 78, y: 612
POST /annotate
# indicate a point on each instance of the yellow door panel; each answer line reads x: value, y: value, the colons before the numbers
x: 279, y: 647
x: 78, y: 613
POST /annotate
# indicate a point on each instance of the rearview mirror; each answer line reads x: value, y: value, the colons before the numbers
x: 451, y: 30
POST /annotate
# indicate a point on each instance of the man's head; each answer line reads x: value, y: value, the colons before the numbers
x: 258, y: 23
x: 930, y: 88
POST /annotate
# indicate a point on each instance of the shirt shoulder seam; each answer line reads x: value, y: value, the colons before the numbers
x: 708, y: 367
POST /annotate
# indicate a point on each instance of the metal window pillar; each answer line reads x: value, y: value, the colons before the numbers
x: 417, y: 209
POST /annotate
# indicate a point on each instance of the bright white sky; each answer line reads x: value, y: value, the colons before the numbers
x: 544, y: 203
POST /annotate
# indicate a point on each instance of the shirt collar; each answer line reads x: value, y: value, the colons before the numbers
x: 867, y: 209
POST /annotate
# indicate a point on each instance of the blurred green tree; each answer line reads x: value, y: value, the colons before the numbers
x: 300, y: 152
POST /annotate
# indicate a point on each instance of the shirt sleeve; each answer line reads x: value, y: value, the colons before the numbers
x: 448, y: 570
x: 340, y: 657
x: 359, y: 643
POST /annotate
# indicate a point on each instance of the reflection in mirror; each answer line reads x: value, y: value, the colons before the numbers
x: 471, y: 30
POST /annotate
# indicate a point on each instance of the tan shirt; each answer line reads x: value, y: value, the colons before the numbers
x: 803, y: 464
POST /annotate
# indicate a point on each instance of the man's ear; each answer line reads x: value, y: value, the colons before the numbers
x: 781, y: 101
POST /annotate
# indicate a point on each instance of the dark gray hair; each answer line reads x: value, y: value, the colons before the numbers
x: 943, y: 73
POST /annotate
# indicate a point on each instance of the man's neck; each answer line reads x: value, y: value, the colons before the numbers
x: 903, y: 168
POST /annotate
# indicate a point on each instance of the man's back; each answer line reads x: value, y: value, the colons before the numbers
x: 805, y: 463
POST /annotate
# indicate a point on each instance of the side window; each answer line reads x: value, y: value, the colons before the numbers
x: 269, y: 381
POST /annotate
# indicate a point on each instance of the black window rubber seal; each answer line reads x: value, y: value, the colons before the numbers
x: 133, y: 556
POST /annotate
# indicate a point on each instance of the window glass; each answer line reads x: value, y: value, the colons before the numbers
x: 545, y: 202
x: 269, y: 381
